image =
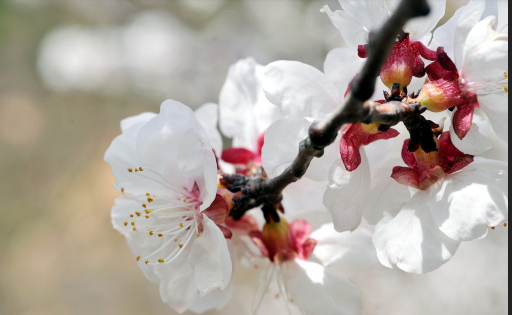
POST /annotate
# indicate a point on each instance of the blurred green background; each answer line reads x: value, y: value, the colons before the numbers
x: 71, y: 70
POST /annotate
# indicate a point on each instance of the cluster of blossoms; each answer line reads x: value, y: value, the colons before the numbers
x: 180, y: 211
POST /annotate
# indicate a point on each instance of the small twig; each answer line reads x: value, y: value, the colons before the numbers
x: 354, y: 109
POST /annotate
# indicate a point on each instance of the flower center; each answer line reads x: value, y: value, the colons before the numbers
x: 172, y: 219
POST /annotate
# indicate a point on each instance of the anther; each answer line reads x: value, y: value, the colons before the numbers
x: 505, y: 224
x: 506, y: 90
x: 198, y: 235
x: 141, y: 169
x: 160, y: 235
x: 147, y: 216
x: 181, y: 224
x: 150, y: 199
x: 151, y: 233
x: 181, y: 246
x: 136, y: 170
x: 147, y: 262
x: 131, y: 215
x: 138, y: 258
x: 160, y: 260
x: 138, y: 214
x: 122, y: 190
x: 130, y: 170
x: 133, y: 223
x: 134, y: 228
x: 505, y: 75
x: 126, y: 223
x: 147, y: 194
x: 176, y: 240
x: 493, y: 228
x: 184, y: 200
x: 147, y: 211
x: 144, y: 205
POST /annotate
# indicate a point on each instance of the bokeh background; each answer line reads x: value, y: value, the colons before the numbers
x: 71, y: 70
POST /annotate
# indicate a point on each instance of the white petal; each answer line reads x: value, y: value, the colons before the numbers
x: 485, y: 52
x: 197, y: 164
x: 376, y: 150
x: 135, y: 120
x: 347, y: 250
x: 352, y: 31
x: 212, y: 301
x: 419, y: 28
x: 208, y: 117
x: 158, y: 141
x: 371, y: 14
x: 177, y: 288
x: 210, y: 259
x: 477, y: 140
x: 317, y: 291
x: 300, y: 90
x: 444, y: 36
x: 412, y: 241
x: 469, y: 17
x: 470, y: 201
x: 304, y: 195
x: 341, y: 66
x: 245, y: 112
x: 386, y: 195
x: 122, y: 155
x: 346, y: 194
x: 281, y: 146
x: 496, y: 109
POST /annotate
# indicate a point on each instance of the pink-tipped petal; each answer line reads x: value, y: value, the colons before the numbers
x: 218, y: 210
x: 381, y: 135
x: 461, y: 162
x: 431, y: 177
x: 447, y: 147
x: 245, y: 225
x: 407, y: 156
x: 258, y: 241
x: 406, y: 176
x: 300, y: 230
x: 462, y: 120
x: 307, y: 248
x: 226, y: 232
x: 349, y: 150
x: 238, y: 156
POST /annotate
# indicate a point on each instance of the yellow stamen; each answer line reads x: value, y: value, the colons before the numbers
x: 122, y: 190
x: 133, y: 223
x: 136, y: 170
x: 151, y: 233
x: 147, y: 216
x: 138, y: 214
x: 176, y: 240
x: 505, y: 75
x: 184, y: 200
x: 160, y: 260
x: 147, y: 194
x: 181, y: 224
x: 138, y: 258
x: 126, y: 223
x: 147, y: 211
x: 144, y: 205
x: 493, y: 228
x: 134, y: 228
x: 160, y: 235
x: 181, y: 245
x: 150, y: 199
x: 506, y: 90
x: 505, y: 224
x: 130, y: 170
x: 141, y: 169
x: 198, y: 235
x: 147, y: 262
x: 131, y: 215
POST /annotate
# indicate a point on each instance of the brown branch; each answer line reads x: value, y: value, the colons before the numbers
x: 354, y: 109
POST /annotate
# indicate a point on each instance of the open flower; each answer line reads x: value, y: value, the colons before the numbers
x: 471, y: 76
x: 171, y: 213
x: 427, y: 209
x: 287, y: 255
x: 304, y: 95
x: 360, y: 17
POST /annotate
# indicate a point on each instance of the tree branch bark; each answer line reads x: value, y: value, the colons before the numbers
x: 354, y: 109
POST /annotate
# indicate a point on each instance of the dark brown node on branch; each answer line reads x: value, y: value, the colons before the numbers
x: 422, y: 135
